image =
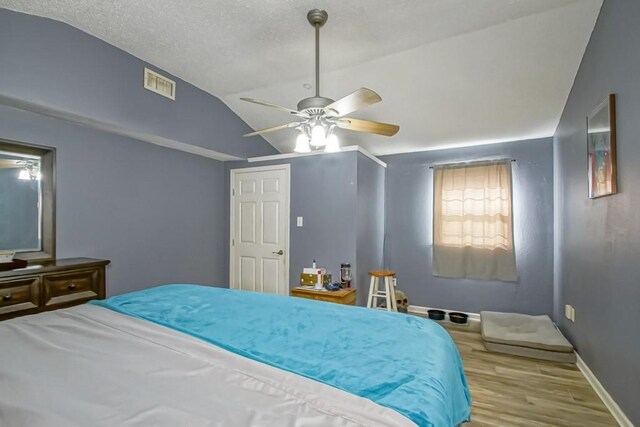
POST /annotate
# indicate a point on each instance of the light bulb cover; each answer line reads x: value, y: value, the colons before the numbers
x: 24, y: 174
x: 333, y: 145
x: 318, y: 136
x: 302, y: 144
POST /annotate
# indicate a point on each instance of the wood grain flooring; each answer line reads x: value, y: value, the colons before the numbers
x: 518, y: 391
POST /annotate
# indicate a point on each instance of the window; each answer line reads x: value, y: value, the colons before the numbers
x: 472, y: 221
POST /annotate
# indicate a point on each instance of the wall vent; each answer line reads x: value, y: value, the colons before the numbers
x: 159, y: 84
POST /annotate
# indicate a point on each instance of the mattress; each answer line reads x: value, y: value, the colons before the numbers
x: 191, y: 355
x: 90, y: 366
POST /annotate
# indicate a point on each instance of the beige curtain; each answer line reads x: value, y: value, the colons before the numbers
x: 472, y: 222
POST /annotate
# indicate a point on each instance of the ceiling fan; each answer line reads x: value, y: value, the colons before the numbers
x: 318, y: 116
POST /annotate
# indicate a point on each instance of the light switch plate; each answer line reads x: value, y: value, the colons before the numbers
x: 299, y: 221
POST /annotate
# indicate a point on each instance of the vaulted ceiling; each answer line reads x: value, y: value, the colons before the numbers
x: 450, y: 72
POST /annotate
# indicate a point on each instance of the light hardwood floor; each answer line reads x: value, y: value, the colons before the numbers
x: 517, y: 391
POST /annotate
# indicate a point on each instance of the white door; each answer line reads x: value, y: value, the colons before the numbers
x: 260, y: 229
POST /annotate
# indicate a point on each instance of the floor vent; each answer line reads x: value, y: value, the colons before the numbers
x: 159, y: 84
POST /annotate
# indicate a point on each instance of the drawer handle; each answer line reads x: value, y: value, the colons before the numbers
x: 71, y: 286
x: 6, y: 297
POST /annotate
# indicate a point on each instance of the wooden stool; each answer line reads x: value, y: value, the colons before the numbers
x: 388, y: 294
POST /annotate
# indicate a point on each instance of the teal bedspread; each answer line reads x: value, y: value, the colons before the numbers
x: 399, y: 361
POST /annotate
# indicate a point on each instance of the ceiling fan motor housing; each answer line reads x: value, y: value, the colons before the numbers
x: 314, y: 105
x: 317, y: 17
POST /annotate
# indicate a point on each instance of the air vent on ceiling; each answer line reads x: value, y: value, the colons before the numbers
x: 159, y: 84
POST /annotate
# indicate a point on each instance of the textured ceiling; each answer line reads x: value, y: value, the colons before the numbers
x: 450, y: 72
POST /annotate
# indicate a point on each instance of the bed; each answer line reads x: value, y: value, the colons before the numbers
x: 187, y: 355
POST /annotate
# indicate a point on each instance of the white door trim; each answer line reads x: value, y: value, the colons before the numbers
x: 233, y: 172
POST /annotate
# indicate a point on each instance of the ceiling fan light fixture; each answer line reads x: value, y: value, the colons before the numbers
x: 302, y: 144
x: 333, y: 145
x: 318, y: 136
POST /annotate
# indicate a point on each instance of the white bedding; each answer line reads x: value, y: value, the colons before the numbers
x: 89, y: 366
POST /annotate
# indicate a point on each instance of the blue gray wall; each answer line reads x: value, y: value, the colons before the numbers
x: 598, y: 241
x: 156, y: 213
x: 408, y: 246
x: 323, y: 192
x: 370, y: 222
x: 52, y: 65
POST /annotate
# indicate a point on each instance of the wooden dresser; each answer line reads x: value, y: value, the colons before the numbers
x: 51, y: 285
x: 343, y: 296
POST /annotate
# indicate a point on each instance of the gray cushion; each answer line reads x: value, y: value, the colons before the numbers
x: 513, y: 329
x: 535, y: 353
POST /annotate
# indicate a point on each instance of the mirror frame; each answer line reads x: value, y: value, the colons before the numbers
x: 48, y: 182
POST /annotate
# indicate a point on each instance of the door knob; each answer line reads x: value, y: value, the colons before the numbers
x: 280, y: 252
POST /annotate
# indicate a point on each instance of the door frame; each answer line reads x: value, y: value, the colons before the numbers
x: 232, y: 175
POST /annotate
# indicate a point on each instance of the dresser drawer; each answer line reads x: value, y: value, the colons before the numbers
x: 71, y: 287
x: 19, y: 294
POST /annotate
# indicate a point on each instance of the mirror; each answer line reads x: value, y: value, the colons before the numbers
x: 27, y: 200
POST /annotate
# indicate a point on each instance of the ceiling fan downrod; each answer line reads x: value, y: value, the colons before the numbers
x: 317, y: 18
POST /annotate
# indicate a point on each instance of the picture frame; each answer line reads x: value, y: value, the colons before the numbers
x: 601, y: 149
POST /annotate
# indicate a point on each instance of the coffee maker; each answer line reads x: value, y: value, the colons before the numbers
x: 345, y: 275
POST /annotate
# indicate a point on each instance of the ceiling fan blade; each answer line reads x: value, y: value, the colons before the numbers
x: 6, y: 163
x: 273, y: 129
x: 355, y: 101
x: 268, y: 104
x: 368, y: 126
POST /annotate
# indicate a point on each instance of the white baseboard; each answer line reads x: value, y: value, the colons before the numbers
x: 608, y: 401
x: 474, y: 318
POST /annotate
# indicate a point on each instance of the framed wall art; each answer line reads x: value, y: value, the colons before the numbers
x: 601, y: 149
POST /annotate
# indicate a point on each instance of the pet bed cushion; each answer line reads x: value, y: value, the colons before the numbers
x: 520, y: 330
x: 534, y: 353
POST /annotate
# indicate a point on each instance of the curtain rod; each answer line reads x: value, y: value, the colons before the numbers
x: 469, y: 163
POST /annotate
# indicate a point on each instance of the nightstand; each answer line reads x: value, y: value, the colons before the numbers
x: 343, y: 296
